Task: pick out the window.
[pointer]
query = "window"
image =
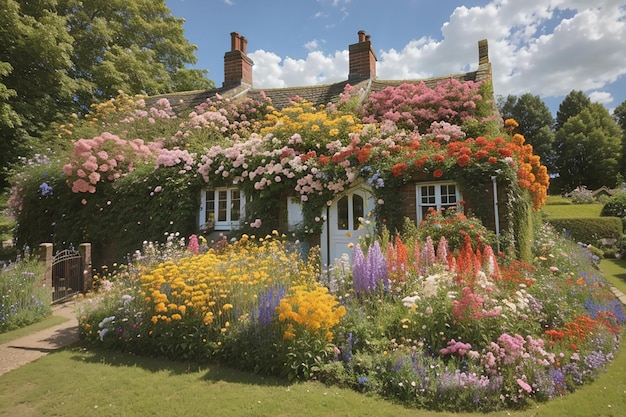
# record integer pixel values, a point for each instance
(344, 220)
(436, 196)
(221, 209)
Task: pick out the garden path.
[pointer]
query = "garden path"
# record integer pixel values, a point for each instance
(24, 350)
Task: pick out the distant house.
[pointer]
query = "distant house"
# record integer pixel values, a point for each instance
(223, 209)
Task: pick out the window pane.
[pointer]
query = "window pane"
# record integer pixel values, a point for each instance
(235, 205)
(428, 196)
(357, 211)
(448, 195)
(210, 206)
(222, 205)
(342, 213)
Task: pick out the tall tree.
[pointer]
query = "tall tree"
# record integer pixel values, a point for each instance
(571, 105)
(35, 87)
(60, 56)
(588, 150)
(136, 46)
(620, 117)
(535, 123)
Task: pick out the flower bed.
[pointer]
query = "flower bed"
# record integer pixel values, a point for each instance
(411, 320)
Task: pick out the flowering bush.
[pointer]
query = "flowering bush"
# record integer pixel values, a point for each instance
(460, 331)
(23, 300)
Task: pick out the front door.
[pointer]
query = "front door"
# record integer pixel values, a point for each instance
(346, 222)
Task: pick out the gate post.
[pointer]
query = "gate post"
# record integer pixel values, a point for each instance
(85, 254)
(46, 256)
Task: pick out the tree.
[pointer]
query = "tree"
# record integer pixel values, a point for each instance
(588, 150)
(620, 117)
(535, 123)
(34, 83)
(571, 105)
(136, 46)
(57, 57)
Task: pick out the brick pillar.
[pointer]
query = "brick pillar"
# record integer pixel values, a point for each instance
(46, 256)
(85, 255)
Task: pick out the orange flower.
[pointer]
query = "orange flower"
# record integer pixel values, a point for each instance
(438, 173)
(398, 169)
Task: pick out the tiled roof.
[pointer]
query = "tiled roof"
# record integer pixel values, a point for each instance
(316, 94)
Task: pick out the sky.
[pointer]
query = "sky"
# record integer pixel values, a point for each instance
(543, 47)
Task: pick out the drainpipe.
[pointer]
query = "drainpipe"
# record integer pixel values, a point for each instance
(495, 210)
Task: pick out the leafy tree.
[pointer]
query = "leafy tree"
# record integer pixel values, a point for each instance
(571, 105)
(588, 150)
(620, 116)
(60, 56)
(535, 123)
(34, 83)
(135, 46)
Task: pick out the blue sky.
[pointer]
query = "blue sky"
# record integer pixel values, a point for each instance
(543, 47)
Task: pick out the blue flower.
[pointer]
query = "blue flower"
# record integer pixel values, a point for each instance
(45, 189)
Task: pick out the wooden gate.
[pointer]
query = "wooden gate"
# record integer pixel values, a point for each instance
(67, 275)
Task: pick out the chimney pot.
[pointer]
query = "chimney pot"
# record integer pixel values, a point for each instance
(361, 36)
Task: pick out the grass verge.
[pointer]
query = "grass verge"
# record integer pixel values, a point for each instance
(33, 328)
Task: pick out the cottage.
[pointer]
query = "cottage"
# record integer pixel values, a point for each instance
(223, 209)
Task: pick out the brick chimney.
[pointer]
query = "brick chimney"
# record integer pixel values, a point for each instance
(237, 65)
(483, 52)
(362, 58)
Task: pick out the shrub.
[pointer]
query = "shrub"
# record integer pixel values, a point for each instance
(615, 207)
(588, 230)
(463, 331)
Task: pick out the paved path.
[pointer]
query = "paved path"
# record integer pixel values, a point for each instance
(18, 352)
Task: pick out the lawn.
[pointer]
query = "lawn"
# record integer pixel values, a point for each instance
(82, 382)
(571, 211)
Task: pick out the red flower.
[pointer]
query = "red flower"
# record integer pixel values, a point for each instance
(438, 173)
(439, 158)
(463, 161)
(399, 169)
(324, 159)
(493, 160)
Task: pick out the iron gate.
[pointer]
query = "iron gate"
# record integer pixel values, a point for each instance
(67, 275)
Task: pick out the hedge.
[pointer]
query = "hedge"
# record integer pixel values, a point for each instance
(588, 230)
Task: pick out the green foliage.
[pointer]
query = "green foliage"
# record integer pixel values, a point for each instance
(588, 230)
(575, 102)
(66, 55)
(535, 122)
(616, 206)
(23, 300)
(588, 149)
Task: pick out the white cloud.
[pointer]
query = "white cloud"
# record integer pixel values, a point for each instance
(546, 48)
(603, 97)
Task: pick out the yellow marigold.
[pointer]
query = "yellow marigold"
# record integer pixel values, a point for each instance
(208, 318)
(176, 316)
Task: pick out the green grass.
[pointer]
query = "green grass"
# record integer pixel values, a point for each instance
(571, 211)
(615, 271)
(33, 328)
(82, 382)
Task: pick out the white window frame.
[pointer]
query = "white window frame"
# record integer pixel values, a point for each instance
(226, 223)
(437, 199)
(295, 216)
